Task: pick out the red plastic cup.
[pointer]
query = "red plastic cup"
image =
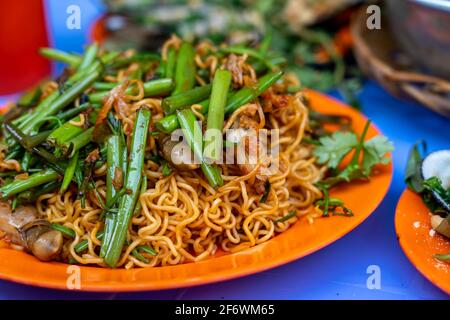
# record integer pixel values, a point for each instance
(22, 33)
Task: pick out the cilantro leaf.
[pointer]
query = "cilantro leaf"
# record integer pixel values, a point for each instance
(334, 148)
(375, 151)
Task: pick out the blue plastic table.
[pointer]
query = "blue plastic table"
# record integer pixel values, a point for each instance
(335, 272)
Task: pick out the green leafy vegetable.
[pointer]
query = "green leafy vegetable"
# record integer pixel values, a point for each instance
(267, 186)
(425, 188)
(64, 230)
(290, 215)
(375, 151)
(334, 206)
(434, 184)
(333, 149)
(413, 177)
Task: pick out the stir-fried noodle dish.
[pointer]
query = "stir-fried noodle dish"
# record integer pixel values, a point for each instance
(136, 159)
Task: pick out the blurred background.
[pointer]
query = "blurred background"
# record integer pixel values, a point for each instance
(397, 75)
(329, 44)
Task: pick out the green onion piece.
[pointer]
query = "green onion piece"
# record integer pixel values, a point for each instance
(193, 135)
(267, 187)
(29, 97)
(104, 86)
(108, 57)
(44, 104)
(250, 52)
(114, 163)
(72, 112)
(158, 87)
(132, 184)
(326, 202)
(30, 196)
(77, 142)
(147, 249)
(89, 56)
(64, 230)
(185, 69)
(216, 113)
(59, 102)
(53, 54)
(25, 163)
(443, 257)
(168, 124)
(83, 245)
(135, 253)
(170, 63)
(270, 63)
(138, 207)
(332, 202)
(33, 180)
(81, 74)
(110, 205)
(137, 57)
(38, 138)
(68, 131)
(143, 248)
(186, 98)
(245, 95)
(265, 43)
(69, 173)
(290, 215)
(166, 170)
(248, 94)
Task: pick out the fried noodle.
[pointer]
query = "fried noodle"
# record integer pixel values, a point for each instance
(182, 217)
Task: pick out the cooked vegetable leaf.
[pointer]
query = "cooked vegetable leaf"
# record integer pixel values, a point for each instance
(427, 189)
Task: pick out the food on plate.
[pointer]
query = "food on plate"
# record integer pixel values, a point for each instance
(429, 176)
(144, 159)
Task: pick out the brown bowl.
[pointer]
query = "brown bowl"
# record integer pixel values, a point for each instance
(381, 57)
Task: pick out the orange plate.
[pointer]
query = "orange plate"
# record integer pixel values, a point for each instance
(300, 240)
(412, 222)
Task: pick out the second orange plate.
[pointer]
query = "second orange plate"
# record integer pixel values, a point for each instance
(300, 240)
(412, 223)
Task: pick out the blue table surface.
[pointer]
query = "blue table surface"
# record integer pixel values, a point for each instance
(338, 271)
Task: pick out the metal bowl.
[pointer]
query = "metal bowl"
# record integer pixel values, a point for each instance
(422, 29)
